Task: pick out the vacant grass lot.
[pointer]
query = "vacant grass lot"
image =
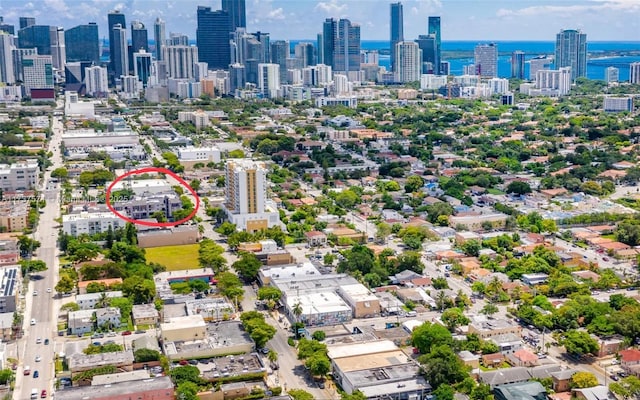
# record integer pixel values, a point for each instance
(175, 257)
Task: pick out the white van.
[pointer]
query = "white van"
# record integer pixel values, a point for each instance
(412, 314)
(34, 394)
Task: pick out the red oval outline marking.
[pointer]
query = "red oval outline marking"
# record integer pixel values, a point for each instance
(149, 223)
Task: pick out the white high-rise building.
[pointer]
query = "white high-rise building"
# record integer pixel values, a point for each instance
(269, 79)
(611, 75)
(432, 81)
(555, 82)
(246, 201)
(6, 59)
(341, 85)
(200, 71)
(537, 64)
(37, 72)
(130, 86)
(180, 61)
(317, 75)
(498, 85)
(408, 60)
(97, 81)
(486, 60)
(618, 104)
(634, 73)
(58, 48)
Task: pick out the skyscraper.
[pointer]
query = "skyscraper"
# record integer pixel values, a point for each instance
(486, 60)
(408, 62)
(96, 81)
(397, 30)
(329, 28)
(571, 51)
(305, 53)
(246, 201)
(634, 73)
(428, 47)
(178, 39)
(142, 66)
(114, 18)
(6, 58)
(119, 57)
(38, 36)
(212, 37)
(180, 60)
(83, 43)
(26, 21)
(139, 37)
(346, 53)
(279, 55)
(237, 13)
(517, 64)
(320, 49)
(58, 48)
(538, 63)
(269, 80)
(434, 29)
(159, 36)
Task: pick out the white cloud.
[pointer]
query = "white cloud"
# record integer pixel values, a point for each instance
(566, 10)
(332, 7)
(278, 13)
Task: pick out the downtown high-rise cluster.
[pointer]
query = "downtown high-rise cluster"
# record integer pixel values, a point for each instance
(228, 59)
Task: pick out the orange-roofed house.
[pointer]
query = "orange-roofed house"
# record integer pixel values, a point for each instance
(523, 358)
(629, 358)
(82, 286)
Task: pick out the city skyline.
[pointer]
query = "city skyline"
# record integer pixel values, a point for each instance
(606, 20)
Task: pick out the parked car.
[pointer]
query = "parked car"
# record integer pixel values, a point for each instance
(126, 333)
(36, 374)
(46, 341)
(38, 340)
(183, 362)
(43, 395)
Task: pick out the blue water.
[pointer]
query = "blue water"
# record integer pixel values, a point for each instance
(595, 67)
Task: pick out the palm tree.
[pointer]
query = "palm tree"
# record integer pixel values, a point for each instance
(297, 311)
(103, 301)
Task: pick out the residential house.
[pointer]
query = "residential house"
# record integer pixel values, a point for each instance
(629, 358)
(562, 380)
(486, 328)
(492, 360)
(523, 358)
(521, 391)
(508, 343)
(316, 238)
(469, 359)
(504, 376)
(594, 393)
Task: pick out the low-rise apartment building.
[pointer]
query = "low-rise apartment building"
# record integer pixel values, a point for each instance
(14, 216)
(90, 223)
(19, 176)
(89, 301)
(9, 283)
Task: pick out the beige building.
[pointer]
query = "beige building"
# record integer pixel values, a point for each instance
(493, 327)
(184, 329)
(475, 222)
(363, 303)
(14, 216)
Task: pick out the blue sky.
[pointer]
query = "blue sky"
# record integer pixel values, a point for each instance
(602, 20)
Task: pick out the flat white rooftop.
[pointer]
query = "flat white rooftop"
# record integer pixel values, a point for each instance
(358, 349)
(319, 303)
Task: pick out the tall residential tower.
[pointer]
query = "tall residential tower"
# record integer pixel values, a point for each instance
(397, 30)
(571, 51)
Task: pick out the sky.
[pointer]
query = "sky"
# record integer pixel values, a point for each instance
(481, 20)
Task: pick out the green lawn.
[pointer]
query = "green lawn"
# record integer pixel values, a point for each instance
(494, 191)
(175, 257)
